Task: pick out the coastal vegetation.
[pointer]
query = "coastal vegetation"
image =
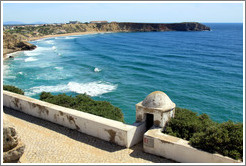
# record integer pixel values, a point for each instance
(13, 89)
(225, 138)
(84, 103)
(51, 29)
(80, 102)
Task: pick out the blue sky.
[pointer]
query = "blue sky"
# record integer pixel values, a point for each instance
(137, 12)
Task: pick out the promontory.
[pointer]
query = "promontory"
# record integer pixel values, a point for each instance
(15, 37)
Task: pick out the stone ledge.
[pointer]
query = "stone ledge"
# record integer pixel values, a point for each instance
(99, 127)
(177, 149)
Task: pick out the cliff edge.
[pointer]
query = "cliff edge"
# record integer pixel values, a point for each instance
(156, 27)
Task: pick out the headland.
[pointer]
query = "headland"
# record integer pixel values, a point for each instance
(15, 37)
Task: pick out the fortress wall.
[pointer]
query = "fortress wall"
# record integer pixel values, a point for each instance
(106, 129)
(170, 147)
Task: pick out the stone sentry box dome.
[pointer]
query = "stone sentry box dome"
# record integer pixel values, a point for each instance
(158, 105)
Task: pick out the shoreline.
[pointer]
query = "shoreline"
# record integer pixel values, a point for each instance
(113, 27)
(59, 35)
(6, 56)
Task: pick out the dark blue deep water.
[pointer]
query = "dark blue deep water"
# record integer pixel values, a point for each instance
(200, 71)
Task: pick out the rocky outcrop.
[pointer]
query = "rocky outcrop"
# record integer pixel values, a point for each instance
(188, 26)
(23, 45)
(15, 42)
(13, 148)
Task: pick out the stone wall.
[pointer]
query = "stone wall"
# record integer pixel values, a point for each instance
(170, 147)
(106, 129)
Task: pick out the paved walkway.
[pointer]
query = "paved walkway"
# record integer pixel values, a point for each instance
(47, 142)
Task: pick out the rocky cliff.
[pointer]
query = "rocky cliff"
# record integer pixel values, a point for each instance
(134, 27)
(13, 40)
(148, 27)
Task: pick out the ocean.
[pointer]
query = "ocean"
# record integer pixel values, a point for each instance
(200, 71)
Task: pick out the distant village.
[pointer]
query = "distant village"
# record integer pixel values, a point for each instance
(13, 26)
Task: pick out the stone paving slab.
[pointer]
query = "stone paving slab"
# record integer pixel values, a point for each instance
(47, 142)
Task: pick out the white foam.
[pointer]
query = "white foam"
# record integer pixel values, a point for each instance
(58, 68)
(91, 88)
(30, 59)
(9, 77)
(6, 70)
(18, 59)
(5, 67)
(54, 47)
(40, 40)
(50, 42)
(97, 70)
(21, 73)
(40, 49)
(37, 51)
(66, 37)
(70, 37)
(31, 53)
(14, 53)
(39, 89)
(104, 32)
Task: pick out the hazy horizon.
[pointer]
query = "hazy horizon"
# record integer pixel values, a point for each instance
(123, 12)
(40, 22)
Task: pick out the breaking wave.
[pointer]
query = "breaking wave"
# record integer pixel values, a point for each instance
(31, 53)
(50, 42)
(70, 37)
(92, 88)
(58, 68)
(30, 59)
(97, 70)
(37, 51)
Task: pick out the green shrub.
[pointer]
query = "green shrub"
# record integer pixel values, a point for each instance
(13, 89)
(225, 138)
(203, 133)
(186, 123)
(84, 103)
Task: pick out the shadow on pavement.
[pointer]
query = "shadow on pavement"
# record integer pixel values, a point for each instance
(81, 137)
(139, 153)
(74, 134)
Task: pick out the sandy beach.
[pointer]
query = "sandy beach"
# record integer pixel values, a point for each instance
(7, 53)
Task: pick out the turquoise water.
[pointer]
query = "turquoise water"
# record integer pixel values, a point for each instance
(200, 71)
